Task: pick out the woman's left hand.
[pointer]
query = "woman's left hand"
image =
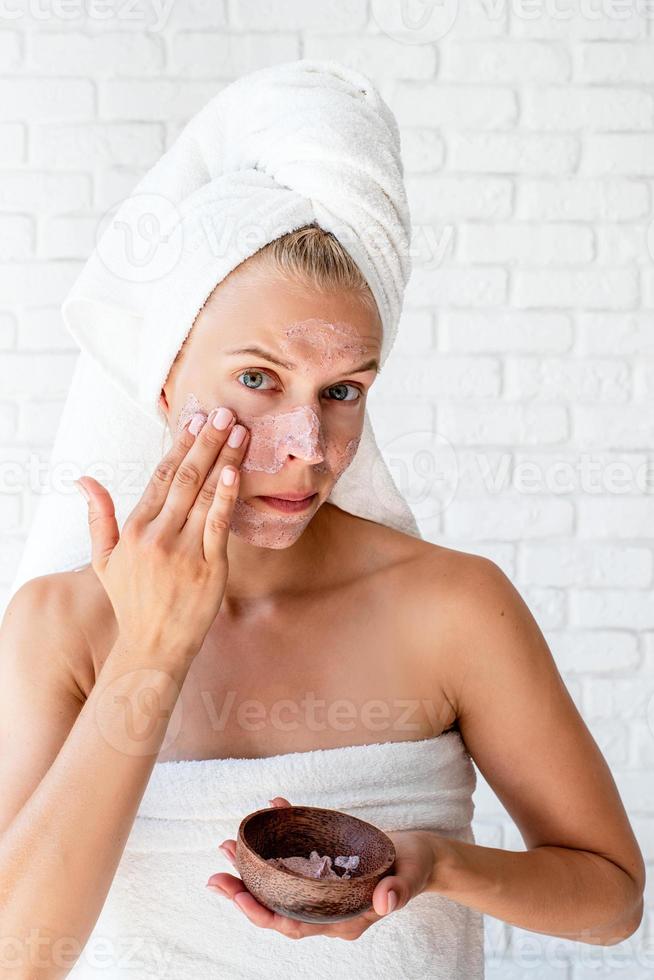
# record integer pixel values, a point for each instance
(414, 866)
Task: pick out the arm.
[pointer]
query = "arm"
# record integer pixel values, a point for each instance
(583, 875)
(72, 773)
(76, 769)
(76, 772)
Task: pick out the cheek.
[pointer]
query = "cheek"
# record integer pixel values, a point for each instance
(339, 453)
(341, 435)
(190, 406)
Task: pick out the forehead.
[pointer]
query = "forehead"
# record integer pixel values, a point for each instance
(260, 306)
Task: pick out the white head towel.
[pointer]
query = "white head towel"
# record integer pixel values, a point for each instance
(297, 143)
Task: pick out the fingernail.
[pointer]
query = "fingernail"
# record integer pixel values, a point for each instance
(236, 436)
(196, 423)
(392, 902)
(222, 418)
(82, 489)
(218, 890)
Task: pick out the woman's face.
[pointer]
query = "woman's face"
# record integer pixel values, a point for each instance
(300, 389)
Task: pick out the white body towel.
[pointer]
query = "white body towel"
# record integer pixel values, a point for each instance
(160, 921)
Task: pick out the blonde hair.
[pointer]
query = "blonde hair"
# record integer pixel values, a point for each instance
(313, 256)
(316, 256)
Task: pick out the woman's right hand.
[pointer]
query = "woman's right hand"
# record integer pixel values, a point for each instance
(165, 575)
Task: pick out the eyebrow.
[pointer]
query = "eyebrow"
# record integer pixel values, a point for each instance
(372, 364)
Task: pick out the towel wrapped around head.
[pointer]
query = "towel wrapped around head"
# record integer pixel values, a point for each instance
(299, 143)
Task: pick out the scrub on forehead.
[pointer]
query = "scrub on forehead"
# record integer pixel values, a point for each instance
(275, 436)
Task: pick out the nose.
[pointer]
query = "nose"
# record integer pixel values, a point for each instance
(299, 434)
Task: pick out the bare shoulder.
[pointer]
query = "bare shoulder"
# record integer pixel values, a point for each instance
(446, 599)
(480, 617)
(444, 594)
(382, 545)
(431, 572)
(417, 570)
(489, 619)
(72, 610)
(434, 591)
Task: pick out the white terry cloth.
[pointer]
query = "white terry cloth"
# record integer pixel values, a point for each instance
(296, 143)
(160, 921)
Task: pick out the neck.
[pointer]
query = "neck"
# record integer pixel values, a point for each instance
(261, 575)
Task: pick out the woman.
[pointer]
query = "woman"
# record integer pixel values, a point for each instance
(388, 617)
(116, 678)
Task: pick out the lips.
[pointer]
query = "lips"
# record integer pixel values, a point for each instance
(286, 506)
(302, 495)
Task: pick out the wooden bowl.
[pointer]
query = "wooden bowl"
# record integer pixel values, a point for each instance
(297, 830)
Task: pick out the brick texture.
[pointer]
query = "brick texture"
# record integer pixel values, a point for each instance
(527, 340)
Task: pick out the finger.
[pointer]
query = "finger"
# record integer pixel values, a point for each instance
(157, 487)
(230, 456)
(390, 894)
(103, 526)
(265, 918)
(396, 889)
(260, 915)
(233, 886)
(229, 883)
(219, 516)
(192, 472)
(257, 913)
(385, 900)
(228, 848)
(412, 857)
(279, 801)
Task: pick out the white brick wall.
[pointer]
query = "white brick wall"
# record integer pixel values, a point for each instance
(527, 341)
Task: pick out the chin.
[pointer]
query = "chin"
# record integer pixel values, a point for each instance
(271, 543)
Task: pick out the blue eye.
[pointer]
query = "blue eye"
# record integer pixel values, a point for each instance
(343, 387)
(253, 374)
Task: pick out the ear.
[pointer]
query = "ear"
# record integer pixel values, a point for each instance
(163, 401)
